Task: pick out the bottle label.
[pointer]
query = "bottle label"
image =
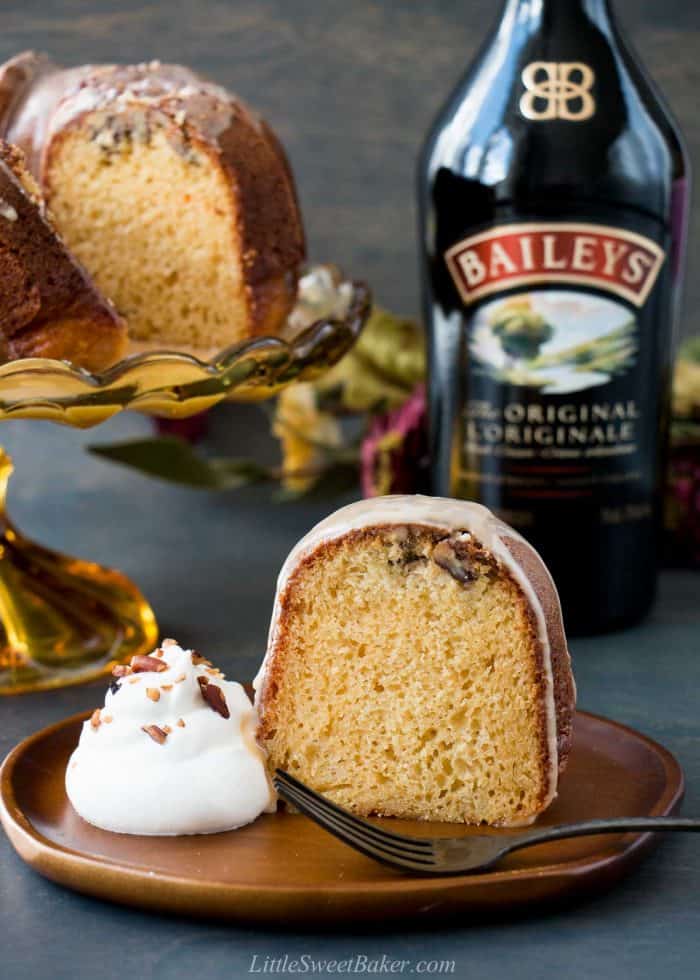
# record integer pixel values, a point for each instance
(612, 259)
(557, 369)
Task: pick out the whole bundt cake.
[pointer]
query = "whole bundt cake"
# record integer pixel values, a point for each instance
(176, 197)
(48, 304)
(417, 665)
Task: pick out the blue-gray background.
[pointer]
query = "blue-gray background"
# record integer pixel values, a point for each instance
(351, 86)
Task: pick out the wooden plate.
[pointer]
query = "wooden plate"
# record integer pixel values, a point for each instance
(284, 869)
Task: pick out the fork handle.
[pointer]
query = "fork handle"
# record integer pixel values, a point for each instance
(614, 825)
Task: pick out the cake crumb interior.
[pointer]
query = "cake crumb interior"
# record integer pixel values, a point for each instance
(403, 691)
(155, 228)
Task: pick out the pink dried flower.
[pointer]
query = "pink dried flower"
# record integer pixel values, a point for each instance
(683, 504)
(191, 429)
(395, 450)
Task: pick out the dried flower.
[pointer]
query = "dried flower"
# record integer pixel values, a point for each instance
(394, 452)
(304, 432)
(381, 370)
(682, 516)
(191, 429)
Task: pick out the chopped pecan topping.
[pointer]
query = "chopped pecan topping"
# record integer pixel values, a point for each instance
(446, 556)
(158, 735)
(134, 680)
(166, 687)
(180, 679)
(120, 670)
(180, 723)
(214, 697)
(153, 693)
(140, 664)
(197, 659)
(167, 729)
(106, 719)
(95, 718)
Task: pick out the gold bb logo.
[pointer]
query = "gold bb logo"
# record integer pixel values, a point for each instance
(557, 90)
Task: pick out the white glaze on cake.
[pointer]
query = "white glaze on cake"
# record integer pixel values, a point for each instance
(451, 516)
(206, 775)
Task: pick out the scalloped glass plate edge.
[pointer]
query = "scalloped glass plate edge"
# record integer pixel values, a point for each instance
(326, 321)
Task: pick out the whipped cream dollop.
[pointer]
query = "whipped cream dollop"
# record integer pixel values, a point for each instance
(173, 751)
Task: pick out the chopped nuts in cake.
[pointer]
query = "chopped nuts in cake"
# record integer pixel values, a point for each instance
(153, 693)
(157, 734)
(105, 139)
(7, 211)
(95, 718)
(141, 664)
(447, 557)
(180, 723)
(197, 659)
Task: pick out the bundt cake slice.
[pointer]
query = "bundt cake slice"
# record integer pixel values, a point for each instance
(48, 305)
(177, 198)
(417, 665)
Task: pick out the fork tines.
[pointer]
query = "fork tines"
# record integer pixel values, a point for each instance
(413, 853)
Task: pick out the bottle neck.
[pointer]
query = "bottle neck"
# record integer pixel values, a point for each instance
(534, 14)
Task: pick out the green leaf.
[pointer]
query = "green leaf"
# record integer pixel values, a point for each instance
(690, 349)
(174, 460)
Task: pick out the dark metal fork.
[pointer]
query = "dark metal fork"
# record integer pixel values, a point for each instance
(448, 855)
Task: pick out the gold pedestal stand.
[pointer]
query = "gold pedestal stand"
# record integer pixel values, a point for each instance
(63, 620)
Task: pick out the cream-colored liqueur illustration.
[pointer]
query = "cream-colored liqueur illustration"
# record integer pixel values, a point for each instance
(558, 341)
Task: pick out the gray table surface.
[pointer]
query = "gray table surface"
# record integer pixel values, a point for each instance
(208, 564)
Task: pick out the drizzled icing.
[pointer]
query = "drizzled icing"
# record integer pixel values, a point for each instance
(451, 516)
(39, 99)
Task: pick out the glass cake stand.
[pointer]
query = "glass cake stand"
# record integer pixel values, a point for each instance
(63, 620)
